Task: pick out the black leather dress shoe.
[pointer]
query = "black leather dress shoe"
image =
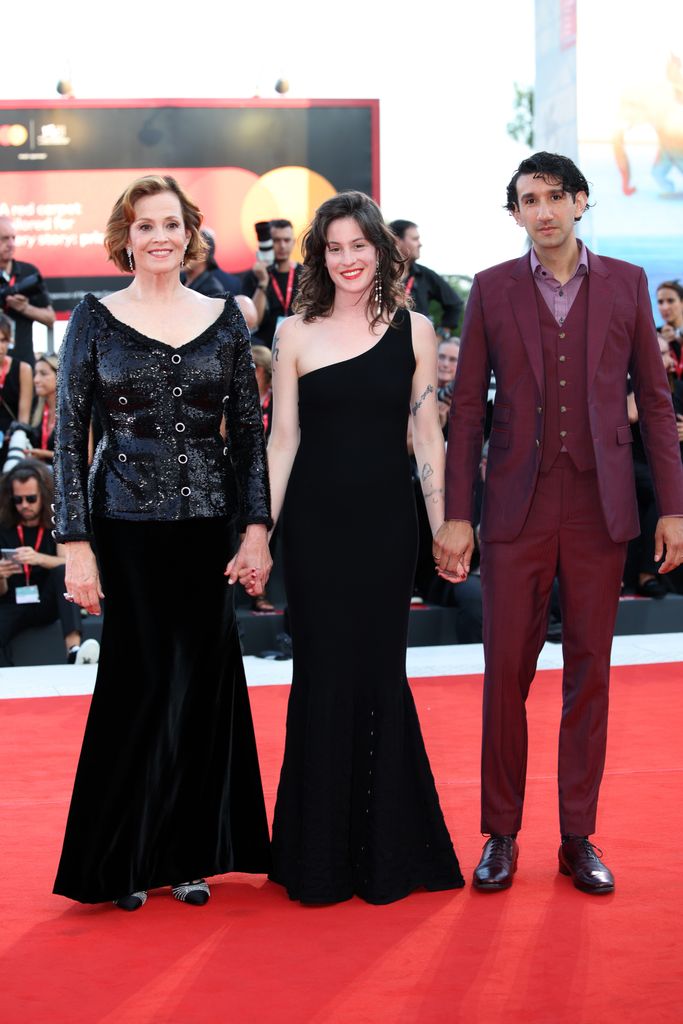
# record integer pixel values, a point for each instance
(497, 865)
(578, 859)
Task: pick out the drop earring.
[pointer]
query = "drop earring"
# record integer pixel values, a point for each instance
(378, 289)
(129, 253)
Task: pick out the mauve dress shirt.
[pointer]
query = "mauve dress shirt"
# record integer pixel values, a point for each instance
(559, 297)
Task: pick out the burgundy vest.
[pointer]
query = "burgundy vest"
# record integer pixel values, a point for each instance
(566, 423)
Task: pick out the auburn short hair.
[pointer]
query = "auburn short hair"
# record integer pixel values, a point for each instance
(123, 215)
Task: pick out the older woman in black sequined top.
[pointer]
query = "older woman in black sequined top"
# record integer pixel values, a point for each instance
(168, 787)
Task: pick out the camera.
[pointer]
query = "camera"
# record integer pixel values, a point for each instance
(265, 252)
(445, 393)
(27, 285)
(19, 442)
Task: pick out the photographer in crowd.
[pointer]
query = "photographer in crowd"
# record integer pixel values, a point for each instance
(272, 285)
(424, 285)
(23, 295)
(32, 565)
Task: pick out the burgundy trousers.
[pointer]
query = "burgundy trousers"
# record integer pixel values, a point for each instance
(564, 536)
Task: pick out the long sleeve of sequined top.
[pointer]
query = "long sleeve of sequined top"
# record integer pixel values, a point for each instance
(161, 456)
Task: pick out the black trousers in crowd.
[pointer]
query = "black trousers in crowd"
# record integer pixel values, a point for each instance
(14, 618)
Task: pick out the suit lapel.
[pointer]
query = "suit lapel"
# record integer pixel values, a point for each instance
(522, 294)
(600, 304)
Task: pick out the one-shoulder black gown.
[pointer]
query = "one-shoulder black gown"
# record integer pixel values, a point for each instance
(357, 810)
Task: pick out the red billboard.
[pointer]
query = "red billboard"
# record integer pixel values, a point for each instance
(62, 165)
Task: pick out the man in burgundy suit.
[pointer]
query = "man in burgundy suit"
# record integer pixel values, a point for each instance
(561, 329)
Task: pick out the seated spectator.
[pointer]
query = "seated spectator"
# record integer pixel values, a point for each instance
(43, 419)
(449, 350)
(32, 565)
(16, 387)
(670, 302)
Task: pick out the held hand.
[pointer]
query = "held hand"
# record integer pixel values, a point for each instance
(8, 567)
(252, 563)
(27, 556)
(82, 577)
(669, 540)
(452, 550)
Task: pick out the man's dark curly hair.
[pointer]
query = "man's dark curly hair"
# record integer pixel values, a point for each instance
(552, 168)
(27, 469)
(316, 291)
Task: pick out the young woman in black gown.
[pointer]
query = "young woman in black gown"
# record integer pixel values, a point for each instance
(357, 810)
(168, 786)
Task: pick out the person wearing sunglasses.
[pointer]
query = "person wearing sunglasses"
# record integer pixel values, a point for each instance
(32, 565)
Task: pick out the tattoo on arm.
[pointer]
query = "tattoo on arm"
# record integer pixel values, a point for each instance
(433, 494)
(416, 405)
(276, 350)
(427, 471)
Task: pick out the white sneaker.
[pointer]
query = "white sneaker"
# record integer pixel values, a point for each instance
(88, 653)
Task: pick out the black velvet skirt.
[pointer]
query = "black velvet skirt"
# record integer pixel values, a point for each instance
(168, 787)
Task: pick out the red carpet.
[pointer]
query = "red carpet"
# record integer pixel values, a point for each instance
(541, 953)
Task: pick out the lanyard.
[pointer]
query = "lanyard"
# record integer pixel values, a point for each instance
(39, 541)
(409, 284)
(265, 409)
(4, 372)
(285, 303)
(44, 432)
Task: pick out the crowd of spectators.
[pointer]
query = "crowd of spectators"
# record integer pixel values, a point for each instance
(32, 566)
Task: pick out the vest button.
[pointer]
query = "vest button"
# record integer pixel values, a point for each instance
(563, 433)
(563, 334)
(563, 359)
(563, 383)
(563, 408)
(539, 408)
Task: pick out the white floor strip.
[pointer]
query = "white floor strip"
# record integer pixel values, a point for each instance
(451, 660)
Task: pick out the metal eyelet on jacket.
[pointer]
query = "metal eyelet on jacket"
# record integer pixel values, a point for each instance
(182, 459)
(123, 458)
(176, 358)
(177, 392)
(180, 427)
(123, 400)
(185, 491)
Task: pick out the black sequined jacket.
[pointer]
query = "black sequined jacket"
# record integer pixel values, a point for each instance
(161, 456)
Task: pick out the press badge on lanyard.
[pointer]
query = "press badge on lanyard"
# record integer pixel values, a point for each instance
(28, 594)
(285, 300)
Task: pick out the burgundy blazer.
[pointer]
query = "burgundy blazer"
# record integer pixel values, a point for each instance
(501, 333)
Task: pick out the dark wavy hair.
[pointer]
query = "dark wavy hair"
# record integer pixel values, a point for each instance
(27, 469)
(316, 291)
(675, 286)
(551, 167)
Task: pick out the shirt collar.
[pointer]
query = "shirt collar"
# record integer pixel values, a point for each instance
(581, 267)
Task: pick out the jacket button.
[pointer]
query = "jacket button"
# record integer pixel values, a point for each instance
(226, 398)
(563, 408)
(176, 358)
(225, 450)
(182, 459)
(539, 408)
(563, 433)
(180, 427)
(185, 491)
(177, 392)
(538, 443)
(563, 359)
(123, 458)
(123, 400)
(563, 383)
(563, 334)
